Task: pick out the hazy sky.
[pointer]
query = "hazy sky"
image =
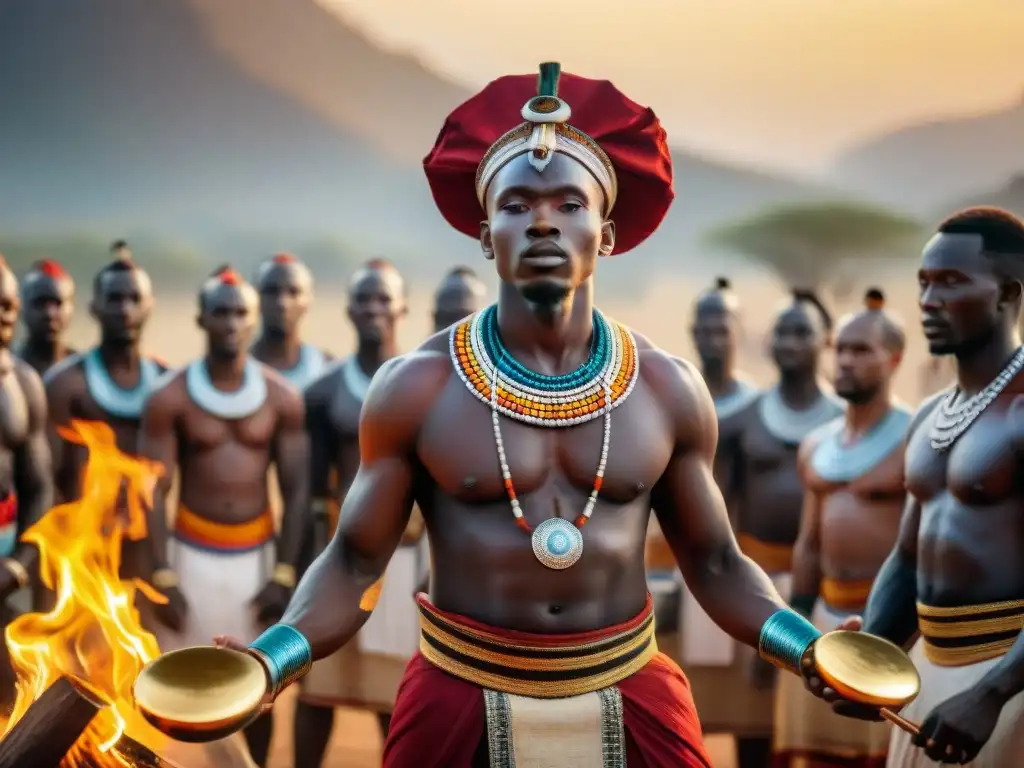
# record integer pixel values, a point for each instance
(781, 82)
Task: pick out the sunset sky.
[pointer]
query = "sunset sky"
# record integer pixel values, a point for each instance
(784, 83)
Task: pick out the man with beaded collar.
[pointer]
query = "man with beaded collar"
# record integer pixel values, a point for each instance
(47, 303)
(768, 496)
(221, 421)
(852, 472)
(706, 652)
(108, 383)
(955, 574)
(530, 645)
(26, 477)
(365, 673)
(285, 286)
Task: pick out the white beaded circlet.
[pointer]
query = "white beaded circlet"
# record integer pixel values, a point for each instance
(557, 543)
(951, 421)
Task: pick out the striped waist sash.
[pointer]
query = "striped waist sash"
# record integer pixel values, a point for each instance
(962, 635)
(199, 532)
(533, 665)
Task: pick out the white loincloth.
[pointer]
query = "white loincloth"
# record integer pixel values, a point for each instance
(219, 588)
(577, 732)
(703, 643)
(1006, 747)
(806, 727)
(393, 628)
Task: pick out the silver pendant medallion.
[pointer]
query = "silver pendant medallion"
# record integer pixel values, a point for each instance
(557, 543)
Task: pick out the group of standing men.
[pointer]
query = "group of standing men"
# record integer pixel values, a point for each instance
(858, 507)
(218, 425)
(537, 428)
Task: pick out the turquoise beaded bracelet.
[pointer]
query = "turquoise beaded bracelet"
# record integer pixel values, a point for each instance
(785, 638)
(285, 653)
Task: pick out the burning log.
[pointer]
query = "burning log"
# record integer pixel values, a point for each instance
(140, 756)
(50, 726)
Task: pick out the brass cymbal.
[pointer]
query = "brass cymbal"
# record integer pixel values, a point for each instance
(201, 694)
(866, 669)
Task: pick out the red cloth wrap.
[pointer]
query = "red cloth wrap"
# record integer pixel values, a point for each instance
(629, 134)
(439, 720)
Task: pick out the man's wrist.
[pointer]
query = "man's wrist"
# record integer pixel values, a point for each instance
(285, 575)
(17, 570)
(785, 638)
(285, 654)
(164, 578)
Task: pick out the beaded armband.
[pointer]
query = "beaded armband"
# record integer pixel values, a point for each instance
(286, 655)
(785, 638)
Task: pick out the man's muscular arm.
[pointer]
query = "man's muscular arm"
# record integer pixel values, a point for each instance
(33, 468)
(158, 441)
(807, 552)
(891, 611)
(291, 456)
(67, 457)
(328, 606)
(737, 595)
(322, 447)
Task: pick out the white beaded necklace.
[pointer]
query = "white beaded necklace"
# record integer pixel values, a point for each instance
(557, 543)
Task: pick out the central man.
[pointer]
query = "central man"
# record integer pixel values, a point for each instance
(536, 436)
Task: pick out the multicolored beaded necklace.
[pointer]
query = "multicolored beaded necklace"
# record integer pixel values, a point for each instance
(594, 389)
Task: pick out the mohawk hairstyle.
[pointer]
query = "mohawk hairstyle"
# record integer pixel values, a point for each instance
(893, 336)
(111, 267)
(808, 296)
(117, 245)
(718, 298)
(284, 258)
(50, 268)
(227, 274)
(464, 272)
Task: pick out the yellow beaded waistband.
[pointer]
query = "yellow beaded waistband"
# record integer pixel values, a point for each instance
(773, 558)
(538, 666)
(846, 595)
(962, 635)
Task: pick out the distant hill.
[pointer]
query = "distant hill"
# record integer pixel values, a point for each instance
(925, 165)
(235, 125)
(1010, 196)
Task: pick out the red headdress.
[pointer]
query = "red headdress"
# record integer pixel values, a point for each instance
(229, 276)
(617, 140)
(284, 258)
(50, 268)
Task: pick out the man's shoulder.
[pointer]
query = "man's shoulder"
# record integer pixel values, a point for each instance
(61, 374)
(168, 391)
(323, 388)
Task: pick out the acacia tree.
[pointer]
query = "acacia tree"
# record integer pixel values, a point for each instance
(819, 245)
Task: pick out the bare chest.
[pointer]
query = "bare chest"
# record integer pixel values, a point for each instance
(202, 431)
(458, 448)
(13, 412)
(762, 451)
(978, 470)
(882, 483)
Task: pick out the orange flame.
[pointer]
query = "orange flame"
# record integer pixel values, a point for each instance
(93, 632)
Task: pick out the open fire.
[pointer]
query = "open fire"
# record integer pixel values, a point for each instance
(93, 633)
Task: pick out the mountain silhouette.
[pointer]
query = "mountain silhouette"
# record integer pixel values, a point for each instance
(210, 118)
(1010, 197)
(923, 166)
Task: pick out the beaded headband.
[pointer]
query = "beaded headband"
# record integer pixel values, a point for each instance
(545, 132)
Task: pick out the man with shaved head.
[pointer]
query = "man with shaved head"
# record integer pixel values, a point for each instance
(285, 286)
(108, 383)
(363, 673)
(47, 303)
(852, 473)
(221, 421)
(460, 294)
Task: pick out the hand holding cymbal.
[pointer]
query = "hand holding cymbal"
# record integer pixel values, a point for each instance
(867, 671)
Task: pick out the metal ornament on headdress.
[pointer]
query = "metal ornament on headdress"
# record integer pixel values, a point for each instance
(545, 132)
